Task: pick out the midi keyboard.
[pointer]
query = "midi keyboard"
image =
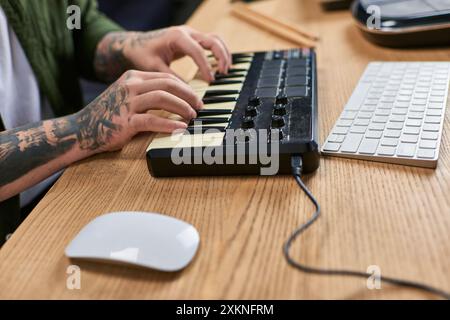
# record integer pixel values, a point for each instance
(254, 119)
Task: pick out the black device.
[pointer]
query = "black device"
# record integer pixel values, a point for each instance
(278, 96)
(404, 23)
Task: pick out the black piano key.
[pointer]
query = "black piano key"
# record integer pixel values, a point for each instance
(216, 93)
(213, 112)
(219, 76)
(198, 129)
(210, 100)
(236, 55)
(206, 120)
(241, 54)
(221, 82)
(235, 70)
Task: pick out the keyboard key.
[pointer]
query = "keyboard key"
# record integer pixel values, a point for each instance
(431, 127)
(392, 133)
(434, 112)
(348, 115)
(374, 134)
(351, 142)
(340, 130)
(426, 153)
(368, 146)
(413, 123)
(395, 125)
(358, 95)
(411, 130)
(368, 108)
(415, 115)
(386, 151)
(344, 123)
(378, 119)
(428, 135)
(419, 102)
(406, 150)
(365, 115)
(440, 93)
(409, 138)
(417, 108)
(377, 126)
(358, 129)
(385, 105)
(428, 144)
(401, 104)
(397, 118)
(399, 111)
(382, 112)
(434, 105)
(432, 119)
(389, 142)
(437, 99)
(329, 146)
(336, 138)
(361, 122)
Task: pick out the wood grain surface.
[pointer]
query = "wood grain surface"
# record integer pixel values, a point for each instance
(393, 216)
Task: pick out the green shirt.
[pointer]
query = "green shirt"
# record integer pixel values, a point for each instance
(58, 56)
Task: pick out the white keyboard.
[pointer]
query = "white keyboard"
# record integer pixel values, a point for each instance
(395, 114)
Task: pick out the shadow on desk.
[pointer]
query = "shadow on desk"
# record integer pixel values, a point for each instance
(125, 271)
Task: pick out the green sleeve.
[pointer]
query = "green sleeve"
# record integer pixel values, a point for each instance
(94, 26)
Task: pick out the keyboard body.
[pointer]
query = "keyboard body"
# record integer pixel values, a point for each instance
(267, 104)
(395, 114)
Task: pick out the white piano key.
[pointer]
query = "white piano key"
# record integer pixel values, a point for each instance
(198, 124)
(221, 105)
(182, 140)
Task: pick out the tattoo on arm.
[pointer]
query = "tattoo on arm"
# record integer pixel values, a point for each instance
(28, 147)
(31, 146)
(110, 60)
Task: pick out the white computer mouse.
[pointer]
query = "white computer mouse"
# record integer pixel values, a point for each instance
(140, 238)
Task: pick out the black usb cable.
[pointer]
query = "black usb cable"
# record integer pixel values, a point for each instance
(297, 166)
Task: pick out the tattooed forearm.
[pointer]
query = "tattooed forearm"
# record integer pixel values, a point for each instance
(31, 146)
(110, 59)
(90, 130)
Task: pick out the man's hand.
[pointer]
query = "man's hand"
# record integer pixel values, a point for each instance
(121, 112)
(155, 50)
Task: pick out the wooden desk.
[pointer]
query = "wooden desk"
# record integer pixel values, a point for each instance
(373, 214)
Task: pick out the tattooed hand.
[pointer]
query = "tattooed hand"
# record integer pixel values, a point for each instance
(111, 120)
(31, 153)
(155, 50)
